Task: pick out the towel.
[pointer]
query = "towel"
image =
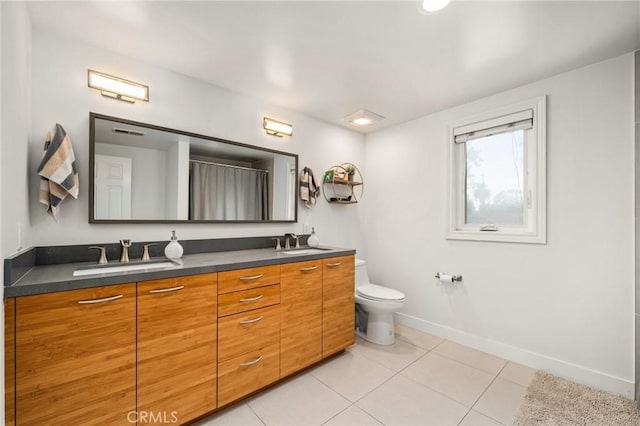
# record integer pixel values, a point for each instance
(58, 172)
(309, 188)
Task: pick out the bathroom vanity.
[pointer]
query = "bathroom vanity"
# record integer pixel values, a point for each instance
(171, 345)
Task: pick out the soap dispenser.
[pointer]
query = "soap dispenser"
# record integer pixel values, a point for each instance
(173, 250)
(312, 241)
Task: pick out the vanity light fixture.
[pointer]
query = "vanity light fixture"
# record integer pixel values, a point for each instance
(363, 118)
(432, 6)
(118, 88)
(276, 128)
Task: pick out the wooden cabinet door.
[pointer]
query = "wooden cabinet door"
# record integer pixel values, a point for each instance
(9, 362)
(338, 304)
(177, 348)
(300, 315)
(75, 357)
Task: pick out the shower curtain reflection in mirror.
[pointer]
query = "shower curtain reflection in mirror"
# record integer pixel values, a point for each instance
(222, 192)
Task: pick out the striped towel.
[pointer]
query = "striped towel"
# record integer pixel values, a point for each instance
(58, 172)
(309, 188)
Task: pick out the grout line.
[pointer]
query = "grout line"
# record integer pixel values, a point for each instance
(506, 361)
(337, 414)
(254, 413)
(485, 391)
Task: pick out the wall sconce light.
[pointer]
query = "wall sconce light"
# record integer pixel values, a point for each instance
(363, 118)
(276, 128)
(118, 88)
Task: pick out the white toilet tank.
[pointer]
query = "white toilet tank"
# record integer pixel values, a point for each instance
(362, 277)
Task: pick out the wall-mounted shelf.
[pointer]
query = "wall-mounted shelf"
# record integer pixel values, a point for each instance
(342, 187)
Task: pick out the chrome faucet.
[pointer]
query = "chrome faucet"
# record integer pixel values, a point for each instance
(103, 255)
(124, 257)
(278, 246)
(294, 236)
(145, 251)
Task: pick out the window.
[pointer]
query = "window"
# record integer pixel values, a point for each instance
(497, 188)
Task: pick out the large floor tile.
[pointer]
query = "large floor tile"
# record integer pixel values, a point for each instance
(459, 381)
(517, 373)
(476, 419)
(353, 416)
(474, 358)
(303, 400)
(352, 375)
(417, 338)
(396, 356)
(237, 415)
(401, 401)
(501, 400)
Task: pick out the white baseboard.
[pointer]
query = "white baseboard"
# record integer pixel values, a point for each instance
(557, 367)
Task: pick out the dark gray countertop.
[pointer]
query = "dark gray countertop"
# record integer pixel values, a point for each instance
(52, 278)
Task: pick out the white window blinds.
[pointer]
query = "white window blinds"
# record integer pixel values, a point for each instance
(522, 120)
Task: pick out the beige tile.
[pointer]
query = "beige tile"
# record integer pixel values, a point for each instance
(352, 375)
(417, 338)
(474, 358)
(353, 416)
(304, 400)
(476, 419)
(401, 401)
(501, 401)
(396, 356)
(237, 415)
(517, 373)
(458, 381)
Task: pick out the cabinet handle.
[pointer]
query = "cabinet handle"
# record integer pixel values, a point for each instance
(250, 363)
(310, 268)
(165, 290)
(106, 299)
(333, 265)
(251, 321)
(251, 278)
(252, 299)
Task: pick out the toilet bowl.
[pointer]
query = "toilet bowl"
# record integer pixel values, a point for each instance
(375, 305)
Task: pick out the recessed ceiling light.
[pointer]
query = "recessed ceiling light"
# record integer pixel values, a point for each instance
(363, 118)
(431, 6)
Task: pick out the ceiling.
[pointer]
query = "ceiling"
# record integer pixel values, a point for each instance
(328, 59)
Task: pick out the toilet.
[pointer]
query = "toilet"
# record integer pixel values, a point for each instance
(375, 306)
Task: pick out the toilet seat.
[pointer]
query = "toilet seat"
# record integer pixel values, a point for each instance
(379, 293)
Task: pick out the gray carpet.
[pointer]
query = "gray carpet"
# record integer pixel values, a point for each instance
(552, 401)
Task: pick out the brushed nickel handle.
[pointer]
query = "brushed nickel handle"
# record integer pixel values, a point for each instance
(106, 299)
(333, 265)
(166, 290)
(251, 321)
(310, 268)
(251, 278)
(250, 363)
(252, 299)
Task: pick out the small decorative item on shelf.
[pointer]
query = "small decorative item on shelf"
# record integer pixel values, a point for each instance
(351, 170)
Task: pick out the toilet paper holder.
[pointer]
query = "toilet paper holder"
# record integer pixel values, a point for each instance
(453, 277)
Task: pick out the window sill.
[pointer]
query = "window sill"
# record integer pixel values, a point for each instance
(497, 236)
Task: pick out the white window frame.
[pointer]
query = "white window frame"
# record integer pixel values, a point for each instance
(535, 158)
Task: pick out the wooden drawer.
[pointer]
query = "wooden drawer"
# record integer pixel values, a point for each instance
(247, 373)
(241, 279)
(338, 268)
(246, 300)
(248, 331)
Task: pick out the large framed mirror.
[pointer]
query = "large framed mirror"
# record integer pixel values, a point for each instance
(143, 173)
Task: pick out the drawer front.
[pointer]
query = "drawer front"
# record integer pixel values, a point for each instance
(242, 279)
(339, 268)
(246, 300)
(248, 331)
(247, 373)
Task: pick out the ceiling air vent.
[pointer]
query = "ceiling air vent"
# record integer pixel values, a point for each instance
(128, 132)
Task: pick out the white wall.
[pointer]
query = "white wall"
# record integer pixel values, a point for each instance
(566, 306)
(16, 87)
(60, 94)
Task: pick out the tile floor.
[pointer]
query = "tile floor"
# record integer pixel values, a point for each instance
(420, 380)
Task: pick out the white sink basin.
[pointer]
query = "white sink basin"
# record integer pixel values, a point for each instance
(107, 269)
(303, 251)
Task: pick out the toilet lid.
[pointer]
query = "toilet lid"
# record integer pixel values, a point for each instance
(379, 293)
